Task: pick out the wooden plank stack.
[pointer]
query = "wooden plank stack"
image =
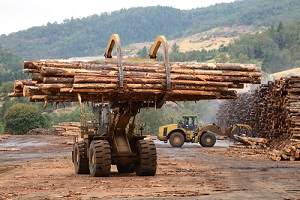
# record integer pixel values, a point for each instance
(143, 81)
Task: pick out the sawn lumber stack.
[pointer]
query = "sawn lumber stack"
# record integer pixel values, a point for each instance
(56, 81)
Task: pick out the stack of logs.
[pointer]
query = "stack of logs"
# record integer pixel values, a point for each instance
(290, 151)
(274, 113)
(55, 81)
(236, 111)
(68, 128)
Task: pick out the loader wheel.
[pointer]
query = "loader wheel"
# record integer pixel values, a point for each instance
(100, 158)
(207, 139)
(176, 139)
(146, 158)
(80, 159)
(126, 169)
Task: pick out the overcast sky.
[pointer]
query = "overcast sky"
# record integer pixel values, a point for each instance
(16, 15)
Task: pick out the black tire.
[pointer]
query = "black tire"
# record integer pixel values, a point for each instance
(176, 139)
(100, 158)
(80, 159)
(126, 169)
(207, 139)
(146, 159)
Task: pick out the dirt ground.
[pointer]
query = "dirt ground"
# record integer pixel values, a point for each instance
(42, 169)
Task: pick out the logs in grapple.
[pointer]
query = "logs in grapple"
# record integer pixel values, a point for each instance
(142, 81)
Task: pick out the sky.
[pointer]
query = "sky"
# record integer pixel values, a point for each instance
(16, 15)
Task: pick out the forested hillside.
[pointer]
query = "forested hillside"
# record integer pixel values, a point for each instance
(88, 36)
(276, 49)
(10, 66)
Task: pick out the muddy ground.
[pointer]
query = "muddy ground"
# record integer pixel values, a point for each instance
(42, 169)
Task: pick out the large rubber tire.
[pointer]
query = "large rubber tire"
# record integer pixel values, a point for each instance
(126, 169)
(207, 139)
(146, 160)
(100, 158)
(176, 139)
(81, 162)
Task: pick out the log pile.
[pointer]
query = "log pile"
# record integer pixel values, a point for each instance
(68, 128)
(140, 81)
(290, 151)
(251, 142)
(236, 111)
(274, 115)
(272, 110)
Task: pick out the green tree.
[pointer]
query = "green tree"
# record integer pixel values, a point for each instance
(175, 48)
(143, 53)
(243, 58)
(222, 57)
(20, 118)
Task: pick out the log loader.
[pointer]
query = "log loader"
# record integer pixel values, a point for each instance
(109, 139)
(189, 131)
(121, 87)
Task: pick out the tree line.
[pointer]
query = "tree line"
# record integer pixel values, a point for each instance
(276, 49)
(89, 35)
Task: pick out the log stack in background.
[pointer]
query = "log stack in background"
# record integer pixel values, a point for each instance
(274, 113)
(236, 111)
(55, 81)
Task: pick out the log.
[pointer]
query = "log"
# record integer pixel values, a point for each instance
(58, 80)
(148, 80)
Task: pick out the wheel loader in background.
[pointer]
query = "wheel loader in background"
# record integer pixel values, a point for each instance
(189, 131)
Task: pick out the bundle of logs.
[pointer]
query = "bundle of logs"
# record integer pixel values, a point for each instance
(272, 110)
(147, 81)
(68, 128)
(290, 151)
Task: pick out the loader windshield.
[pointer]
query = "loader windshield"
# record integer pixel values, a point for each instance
(190, 122)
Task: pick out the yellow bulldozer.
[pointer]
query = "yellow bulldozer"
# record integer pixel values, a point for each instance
(188, 130)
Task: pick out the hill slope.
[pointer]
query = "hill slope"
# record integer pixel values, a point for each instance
(89, 36)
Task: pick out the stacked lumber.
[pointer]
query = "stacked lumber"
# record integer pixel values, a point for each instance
(140, 81)
(68, 128)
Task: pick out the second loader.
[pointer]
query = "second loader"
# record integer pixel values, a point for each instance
(189, 131)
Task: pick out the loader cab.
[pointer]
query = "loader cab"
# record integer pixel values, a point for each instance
(190, 122)
(102, 112)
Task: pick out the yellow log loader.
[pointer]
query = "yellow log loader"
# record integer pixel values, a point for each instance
(122, 87)
(189, 131)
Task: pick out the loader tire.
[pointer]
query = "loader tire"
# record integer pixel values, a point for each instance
(80, 159)
(176, 139)
(100, 158)
(146, 159)
(207, 139)
(126, 169)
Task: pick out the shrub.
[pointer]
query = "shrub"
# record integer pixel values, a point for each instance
(20, 118)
